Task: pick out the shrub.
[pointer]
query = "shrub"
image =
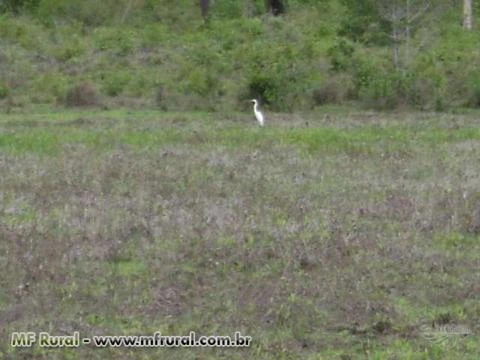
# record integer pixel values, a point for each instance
(263, 87)
(81, 95)
(364, 23)
(115, 82)
(16, 6)
(227, 9)
(69, 42)
(474, 93)
(23, 32)
(153, 35)
(48, 87)
(421, 92)
(115, 39)
(387, 91)
(4, 91)
(88, 12)
(160, 96)
(280, 86)
(340, 55)
(201, 82)
(139, 84)
(326, 94)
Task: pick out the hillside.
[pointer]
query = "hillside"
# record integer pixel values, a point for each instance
(156, 53)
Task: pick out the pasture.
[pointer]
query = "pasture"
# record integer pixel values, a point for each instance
(334, 234)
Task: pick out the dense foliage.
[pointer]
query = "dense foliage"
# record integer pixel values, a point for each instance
(155, 52)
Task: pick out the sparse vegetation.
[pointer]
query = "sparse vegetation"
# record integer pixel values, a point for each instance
(343, 239)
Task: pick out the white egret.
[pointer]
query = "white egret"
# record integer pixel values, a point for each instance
(258, 113)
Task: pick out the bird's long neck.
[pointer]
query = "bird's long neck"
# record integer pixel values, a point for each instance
(255, 107)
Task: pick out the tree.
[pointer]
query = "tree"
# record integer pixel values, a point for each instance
(404, 17)
(363, 23)
(467, 14)
(16, 6)
(276, 7)
(204, 7)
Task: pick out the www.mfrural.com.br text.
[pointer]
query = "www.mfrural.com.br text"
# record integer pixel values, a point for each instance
(47, 340)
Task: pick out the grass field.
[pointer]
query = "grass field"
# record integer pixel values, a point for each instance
(337, 234)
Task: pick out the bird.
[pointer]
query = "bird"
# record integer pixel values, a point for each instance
(258, 113)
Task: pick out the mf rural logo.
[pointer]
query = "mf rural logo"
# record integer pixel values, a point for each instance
(449, 334)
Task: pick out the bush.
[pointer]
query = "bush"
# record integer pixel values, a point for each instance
(227, 9)
(160, 97)
(153, 35)
(379, 85)
(82, 95)
(23, 32)
(473, 92)
(4, 91)
(387, 90)
(15, 6)
(290, 62)
(88, 12)
(421, 92)
(364, 23)
(263, 87)
(48, 87)
(115, 39)
(201, 82)
(115, 82)
(326, 94)
(474, 98)
(340, 55)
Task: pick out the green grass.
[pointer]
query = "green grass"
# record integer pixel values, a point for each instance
(338, 234)
(52, 134)
(165, 55)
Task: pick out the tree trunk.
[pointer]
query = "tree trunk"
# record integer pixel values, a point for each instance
(394, 20)
(276, 7)
(126, 12)
(407, 34)
(248, 8)
(467, 14)
(396, 45)
(204, 5)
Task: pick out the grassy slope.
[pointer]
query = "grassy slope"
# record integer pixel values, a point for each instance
(319, 235)
(191, 65)
(166, 56)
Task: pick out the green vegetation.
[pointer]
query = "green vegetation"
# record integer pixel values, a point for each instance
(343, 235)
(334, 232)
(163, 53)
